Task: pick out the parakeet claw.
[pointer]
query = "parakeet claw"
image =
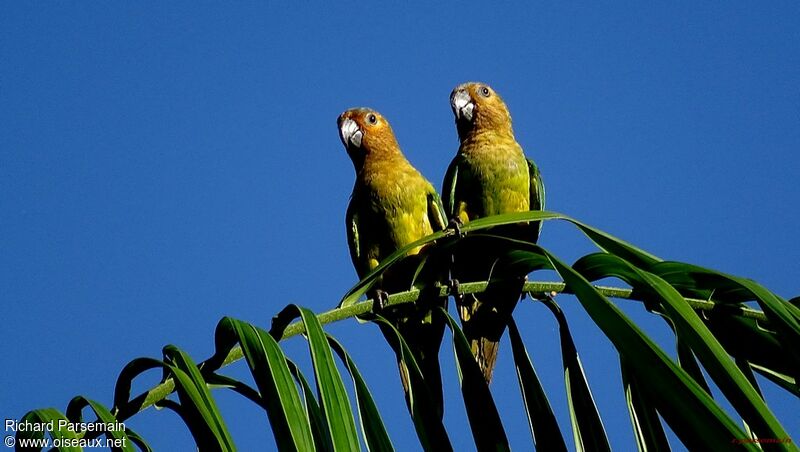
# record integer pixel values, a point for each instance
(455, 224)
(380, 298)
(454, 286)
(455, 289)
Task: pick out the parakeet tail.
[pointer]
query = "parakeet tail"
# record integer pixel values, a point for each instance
(424, 338)
(423, 332)
(484, 317)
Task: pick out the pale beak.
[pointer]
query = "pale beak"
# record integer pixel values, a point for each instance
(350, 133)
(462, 105)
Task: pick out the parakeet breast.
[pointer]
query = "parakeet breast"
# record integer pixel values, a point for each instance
(392, 207)
(498, 176)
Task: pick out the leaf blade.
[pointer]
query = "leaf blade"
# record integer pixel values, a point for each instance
(544, 428)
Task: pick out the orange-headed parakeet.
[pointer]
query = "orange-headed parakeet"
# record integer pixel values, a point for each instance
(490, 175)
(392, 205)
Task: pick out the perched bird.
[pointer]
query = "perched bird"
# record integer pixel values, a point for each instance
(392, 205)
(490, 175)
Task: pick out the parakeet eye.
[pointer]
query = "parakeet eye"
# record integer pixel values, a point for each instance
(372, 119)
(484, 91)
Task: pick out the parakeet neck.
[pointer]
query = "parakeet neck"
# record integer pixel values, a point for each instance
(470, 130)
(481, 140)
(377, 162)
(464, 129)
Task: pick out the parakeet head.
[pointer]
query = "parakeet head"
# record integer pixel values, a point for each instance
(478, 107)
(366, 132)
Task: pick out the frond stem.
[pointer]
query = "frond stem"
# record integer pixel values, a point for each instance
(535, 288)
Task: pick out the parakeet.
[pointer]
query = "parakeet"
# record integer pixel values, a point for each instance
(392, 205)
(490, 175)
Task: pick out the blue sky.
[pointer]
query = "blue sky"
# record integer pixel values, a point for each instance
(163, 166)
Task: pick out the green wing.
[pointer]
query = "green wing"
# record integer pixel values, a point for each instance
(536, 186)
(449, 187)
(351, 221)
(436, 212)
(537, 192)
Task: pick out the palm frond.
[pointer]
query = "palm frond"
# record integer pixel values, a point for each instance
(716, 332)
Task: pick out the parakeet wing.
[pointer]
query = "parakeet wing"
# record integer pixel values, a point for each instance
(351, 219)
(537, 192)
(436, 212)
(449, 188)
(537, 186)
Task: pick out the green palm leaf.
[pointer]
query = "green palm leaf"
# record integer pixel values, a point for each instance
(692, 330)
(706, 309)
(200, 410)
(333, 397)
(269, 368)
(375, 436)
(647, 429)
(587, 427)
(541, 420)
(484, 420)
(424, 412)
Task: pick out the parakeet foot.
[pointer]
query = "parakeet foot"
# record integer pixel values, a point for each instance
(455, 224)
(455, 289)
(380, 298)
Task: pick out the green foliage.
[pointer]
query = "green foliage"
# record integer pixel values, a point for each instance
(715, 332)
(542, 421)
(487, 429)
(424, 412)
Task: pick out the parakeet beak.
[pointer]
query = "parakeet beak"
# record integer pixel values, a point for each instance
(462, 105)
(350, 133)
